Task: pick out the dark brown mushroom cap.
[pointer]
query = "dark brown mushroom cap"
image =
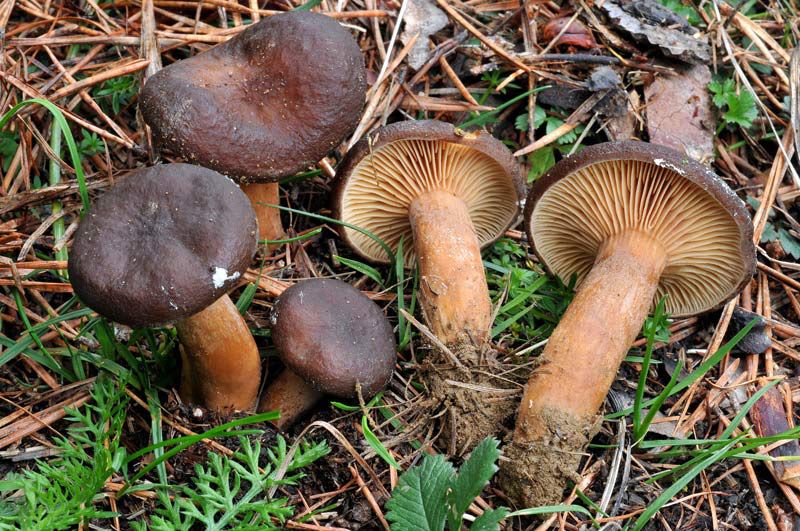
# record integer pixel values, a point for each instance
(268, 103)
(607, 188)
(334, 337)
(163, 244)
(387, 169)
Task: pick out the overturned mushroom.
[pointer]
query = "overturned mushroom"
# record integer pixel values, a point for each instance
(164, 246)
(635, 222)
(333, 341)
(266, 104)
(445, 193)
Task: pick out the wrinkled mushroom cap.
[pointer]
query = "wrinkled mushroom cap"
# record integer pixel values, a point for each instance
(613, 187)
(163, 244)
(268, 103)
(334, 337)
(387, 169)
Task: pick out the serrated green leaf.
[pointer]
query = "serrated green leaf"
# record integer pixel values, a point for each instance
(741, 108)
(540, 161)
(789, 243)
(539, 116)
(521, 122)
(418, 501)
(472, 477)
(769, 234)
(489, 520)
(720, 89)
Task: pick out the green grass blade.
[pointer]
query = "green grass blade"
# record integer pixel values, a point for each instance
(676, 487)
(697, 373)
(58, 116)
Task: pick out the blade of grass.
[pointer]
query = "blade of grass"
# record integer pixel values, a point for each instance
(697, 373)
(377, 445)
(482, 116)
(334, 221)
(364, 269)
(399, 272)
(676, 487)
(301, 237)
(55, 178)
(58, 116)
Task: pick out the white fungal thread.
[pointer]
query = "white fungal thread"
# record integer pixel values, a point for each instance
(220, 277)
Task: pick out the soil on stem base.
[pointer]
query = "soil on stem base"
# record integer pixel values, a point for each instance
(477, 405)
(535, 473)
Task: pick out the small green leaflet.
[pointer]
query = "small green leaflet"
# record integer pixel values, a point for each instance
(473, 476)
(376, 444)
(418, 501)
(432, 493)
(739, 109)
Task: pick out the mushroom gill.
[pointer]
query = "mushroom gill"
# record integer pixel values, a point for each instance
(383, 185)
(701, 239)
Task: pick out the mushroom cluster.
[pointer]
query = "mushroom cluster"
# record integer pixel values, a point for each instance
(635, 223)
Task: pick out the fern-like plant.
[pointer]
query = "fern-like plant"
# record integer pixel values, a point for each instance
(61, 493)
(232, 493)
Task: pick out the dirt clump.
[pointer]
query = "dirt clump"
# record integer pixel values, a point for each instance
(535, 473)
(478, 395)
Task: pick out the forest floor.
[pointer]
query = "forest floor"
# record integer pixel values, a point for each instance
(92, 431)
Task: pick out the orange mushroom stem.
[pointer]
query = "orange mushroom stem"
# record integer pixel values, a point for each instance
(221, 365)
(453, 291)
(291, 395)
(558, 413)
(593, 337)
(270, 226)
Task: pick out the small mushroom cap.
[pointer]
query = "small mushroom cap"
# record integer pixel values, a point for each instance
(163, 244)
(334, 337)
(389, 168)
(614, 187)
(268, 103)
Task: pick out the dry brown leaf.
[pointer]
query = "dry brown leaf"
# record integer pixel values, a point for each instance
(650, 22)
(679, 112)
(424, 18)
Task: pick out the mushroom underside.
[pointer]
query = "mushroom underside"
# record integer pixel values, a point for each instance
(579, 213)
(382, 187)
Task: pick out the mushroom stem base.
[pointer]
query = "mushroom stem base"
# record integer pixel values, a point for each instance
(453, 291)
(290, 395)
(535, 473)
(476, 403)
(221, 365)
(270, 226)
(584, 353)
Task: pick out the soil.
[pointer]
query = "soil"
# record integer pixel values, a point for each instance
(535, 473)
(480, 405)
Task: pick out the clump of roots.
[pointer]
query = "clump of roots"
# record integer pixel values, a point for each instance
(477, 392)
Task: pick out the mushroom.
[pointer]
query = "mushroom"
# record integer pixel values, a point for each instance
(446, 193)
(635, 222)
(266, 104)
(163, 246)
(333, 341)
